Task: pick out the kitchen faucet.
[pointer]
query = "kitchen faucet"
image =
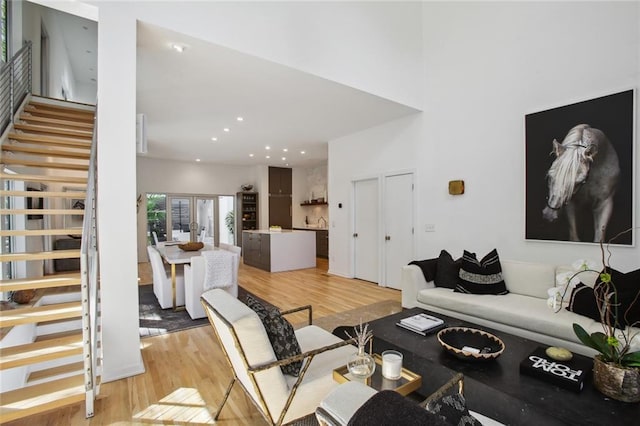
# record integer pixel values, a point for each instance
(323, 220)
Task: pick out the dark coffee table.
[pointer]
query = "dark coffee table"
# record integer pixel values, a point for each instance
(496, 388)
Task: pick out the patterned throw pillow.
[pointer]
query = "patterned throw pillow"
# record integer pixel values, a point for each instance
(481, 277)
(453, 409)
(281, 335)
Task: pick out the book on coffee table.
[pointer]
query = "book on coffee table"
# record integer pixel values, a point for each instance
(421, 323)
(569, 375)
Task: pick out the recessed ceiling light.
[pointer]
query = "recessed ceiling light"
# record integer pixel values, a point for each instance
(214, 139)
(287, 164)
(302, 152)
(284, 158)
(267, 147)
(178, 47)
(226, 129)
(239, 118)
(268, 156)
(250, 155)
(285, 150)
(197, 160)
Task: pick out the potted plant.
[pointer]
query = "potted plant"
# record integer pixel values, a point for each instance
(616, 369)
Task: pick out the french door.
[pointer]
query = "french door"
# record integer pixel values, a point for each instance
(205, 218)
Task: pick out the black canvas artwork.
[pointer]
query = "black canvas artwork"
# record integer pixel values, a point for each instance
(579, 171)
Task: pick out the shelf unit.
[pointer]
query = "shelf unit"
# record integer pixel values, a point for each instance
(247, 213)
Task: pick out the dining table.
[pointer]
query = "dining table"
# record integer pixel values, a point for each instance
(174, 255)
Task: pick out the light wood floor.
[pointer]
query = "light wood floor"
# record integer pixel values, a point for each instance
(186, 373)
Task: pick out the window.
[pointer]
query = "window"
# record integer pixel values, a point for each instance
(4, 20)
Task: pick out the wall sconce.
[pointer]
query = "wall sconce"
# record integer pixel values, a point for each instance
(456, 187)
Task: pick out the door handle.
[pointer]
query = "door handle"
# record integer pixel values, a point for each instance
(355, 235)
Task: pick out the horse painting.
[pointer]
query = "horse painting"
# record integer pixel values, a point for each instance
(584, 175)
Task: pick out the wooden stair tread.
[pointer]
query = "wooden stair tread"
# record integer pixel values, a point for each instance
(43, 397)
(43, 194)
(41, 351)
(74, 367)
(58, 107)
(49, 140)
(56, 122)
(37, 232)
(43, 178)
(43, 211)
(52, 130)
(42, 112)
(47, 281)
(46, 152)
(45, 164)
(40, 314)
(42, 255)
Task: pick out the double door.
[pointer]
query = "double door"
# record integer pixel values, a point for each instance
(383, 236)
(195, 218)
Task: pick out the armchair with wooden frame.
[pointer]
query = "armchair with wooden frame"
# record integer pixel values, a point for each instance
(279, 397)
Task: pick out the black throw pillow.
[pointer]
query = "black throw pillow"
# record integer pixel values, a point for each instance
(481, 277)
(453, 409)
(583, 302)
(583, 298)
(447, 270)
(281, 335)
(428, 267)
(627, 287)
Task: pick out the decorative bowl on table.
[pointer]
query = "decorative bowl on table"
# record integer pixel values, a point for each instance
(470, 344)
(190, 246)
(246, 187)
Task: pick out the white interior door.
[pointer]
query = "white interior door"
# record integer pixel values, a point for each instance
(398, 225)
(365, 230)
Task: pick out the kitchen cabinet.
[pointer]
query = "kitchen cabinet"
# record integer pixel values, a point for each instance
(256, 248)
(280, 181)
(277, 251)
(322, 244)
(246, 213)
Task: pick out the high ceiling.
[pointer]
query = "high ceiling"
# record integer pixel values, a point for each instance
(189, 98)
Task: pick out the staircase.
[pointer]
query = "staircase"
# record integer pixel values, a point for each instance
(49, 347)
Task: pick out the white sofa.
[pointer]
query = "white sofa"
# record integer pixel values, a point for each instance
(194, 285)
(523, 312)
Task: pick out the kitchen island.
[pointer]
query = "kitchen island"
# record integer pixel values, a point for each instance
(277, 251)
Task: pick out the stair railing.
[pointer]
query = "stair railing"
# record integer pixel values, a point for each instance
(15, 84)
(90, 284)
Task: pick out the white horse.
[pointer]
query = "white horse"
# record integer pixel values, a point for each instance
(584, 175)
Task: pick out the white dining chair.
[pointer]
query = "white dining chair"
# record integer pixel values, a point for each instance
(162, 287)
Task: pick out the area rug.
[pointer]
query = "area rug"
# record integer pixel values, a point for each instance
(155, 321)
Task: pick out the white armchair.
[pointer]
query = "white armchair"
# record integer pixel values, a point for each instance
(194, 285)
(280, 398)
(162, 287)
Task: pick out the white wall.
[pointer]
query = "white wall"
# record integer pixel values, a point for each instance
(489, 64)
(308, 180)
(372, 46)
(178, 177)
(117, 193)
